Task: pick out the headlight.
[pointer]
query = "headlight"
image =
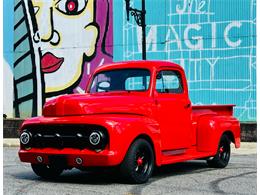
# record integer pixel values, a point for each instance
(94, 138)
(25, 137)
(98, 139)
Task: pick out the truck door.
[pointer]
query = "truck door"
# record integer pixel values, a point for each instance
(173, 109)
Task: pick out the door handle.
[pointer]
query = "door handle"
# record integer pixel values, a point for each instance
(156, 102)
(187, 105)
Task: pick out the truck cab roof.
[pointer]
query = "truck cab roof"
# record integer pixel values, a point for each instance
(138, 64)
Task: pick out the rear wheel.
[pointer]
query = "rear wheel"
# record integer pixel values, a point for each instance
(46, 171)
(138, 163)
(221, 159)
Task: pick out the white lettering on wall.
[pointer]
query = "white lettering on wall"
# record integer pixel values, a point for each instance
(151, 39)
(190, 40)
(230, 43)
(195, 6)
(212, 63)
(199, 39)
(213, 34)
(169, 40)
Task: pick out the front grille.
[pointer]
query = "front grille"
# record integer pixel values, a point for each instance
(63, 136)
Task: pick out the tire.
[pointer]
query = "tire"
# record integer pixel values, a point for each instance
(138, 164)
(46, 171)
(221, 159)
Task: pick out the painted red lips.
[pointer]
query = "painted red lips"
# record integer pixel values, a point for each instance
(50, 63)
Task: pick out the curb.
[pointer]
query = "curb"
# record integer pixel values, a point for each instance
(11, 142)
(11, 129)
(245, 147)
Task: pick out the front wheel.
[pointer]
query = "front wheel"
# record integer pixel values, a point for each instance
(138, 164)
(46, 171)
(222, 157)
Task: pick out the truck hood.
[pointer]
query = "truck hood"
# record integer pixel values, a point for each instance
(86, 104)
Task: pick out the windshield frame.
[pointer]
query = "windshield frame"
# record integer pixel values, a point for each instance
(116, 69)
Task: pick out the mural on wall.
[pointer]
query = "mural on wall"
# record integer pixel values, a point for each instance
(212, 39)
(8, 58)
(57, 44)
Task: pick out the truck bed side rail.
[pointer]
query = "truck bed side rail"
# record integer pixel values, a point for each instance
(224, 110)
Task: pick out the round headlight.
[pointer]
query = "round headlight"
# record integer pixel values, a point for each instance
(25, 137)
(94, 138)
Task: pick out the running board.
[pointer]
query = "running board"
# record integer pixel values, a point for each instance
(184, 154)
(173, 152)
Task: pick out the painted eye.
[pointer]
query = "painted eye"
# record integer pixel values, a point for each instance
(36, 9)
(71, 7)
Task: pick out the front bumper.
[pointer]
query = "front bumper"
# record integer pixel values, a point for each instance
(90, 158)
(120, 133)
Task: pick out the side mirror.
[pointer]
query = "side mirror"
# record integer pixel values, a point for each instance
(159, 75)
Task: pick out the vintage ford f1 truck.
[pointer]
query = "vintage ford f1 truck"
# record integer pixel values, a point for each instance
(133, 116)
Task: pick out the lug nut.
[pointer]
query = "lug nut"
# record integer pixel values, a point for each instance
(79, 160)
(39, 159)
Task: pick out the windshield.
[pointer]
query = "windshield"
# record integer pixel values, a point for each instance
(121, 80)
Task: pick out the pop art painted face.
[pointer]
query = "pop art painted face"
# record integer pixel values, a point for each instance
(67, 34)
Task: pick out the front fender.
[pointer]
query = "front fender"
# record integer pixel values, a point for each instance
(128, 128)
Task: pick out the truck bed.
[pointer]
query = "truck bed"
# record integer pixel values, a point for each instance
(204, 117)
(223, 110)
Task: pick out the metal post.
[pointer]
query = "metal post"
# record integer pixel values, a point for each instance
(139, 16)
(143, 30)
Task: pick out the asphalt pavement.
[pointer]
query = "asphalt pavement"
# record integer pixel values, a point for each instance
(192, 177)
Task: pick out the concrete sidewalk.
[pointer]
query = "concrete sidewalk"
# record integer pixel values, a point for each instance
(11, 142)
(246, 147)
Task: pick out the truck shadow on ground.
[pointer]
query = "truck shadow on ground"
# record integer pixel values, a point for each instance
(106, 177)
(181, 169)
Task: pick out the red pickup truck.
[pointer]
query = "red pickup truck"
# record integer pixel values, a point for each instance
(133, 116)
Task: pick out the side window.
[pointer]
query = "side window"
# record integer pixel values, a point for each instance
(169, 81)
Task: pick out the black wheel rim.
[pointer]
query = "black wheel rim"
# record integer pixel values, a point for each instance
(143, 161)
(224, 151)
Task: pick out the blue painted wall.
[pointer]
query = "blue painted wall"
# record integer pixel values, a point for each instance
(214, 40)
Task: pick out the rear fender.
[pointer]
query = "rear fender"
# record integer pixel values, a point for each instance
(210, 130)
